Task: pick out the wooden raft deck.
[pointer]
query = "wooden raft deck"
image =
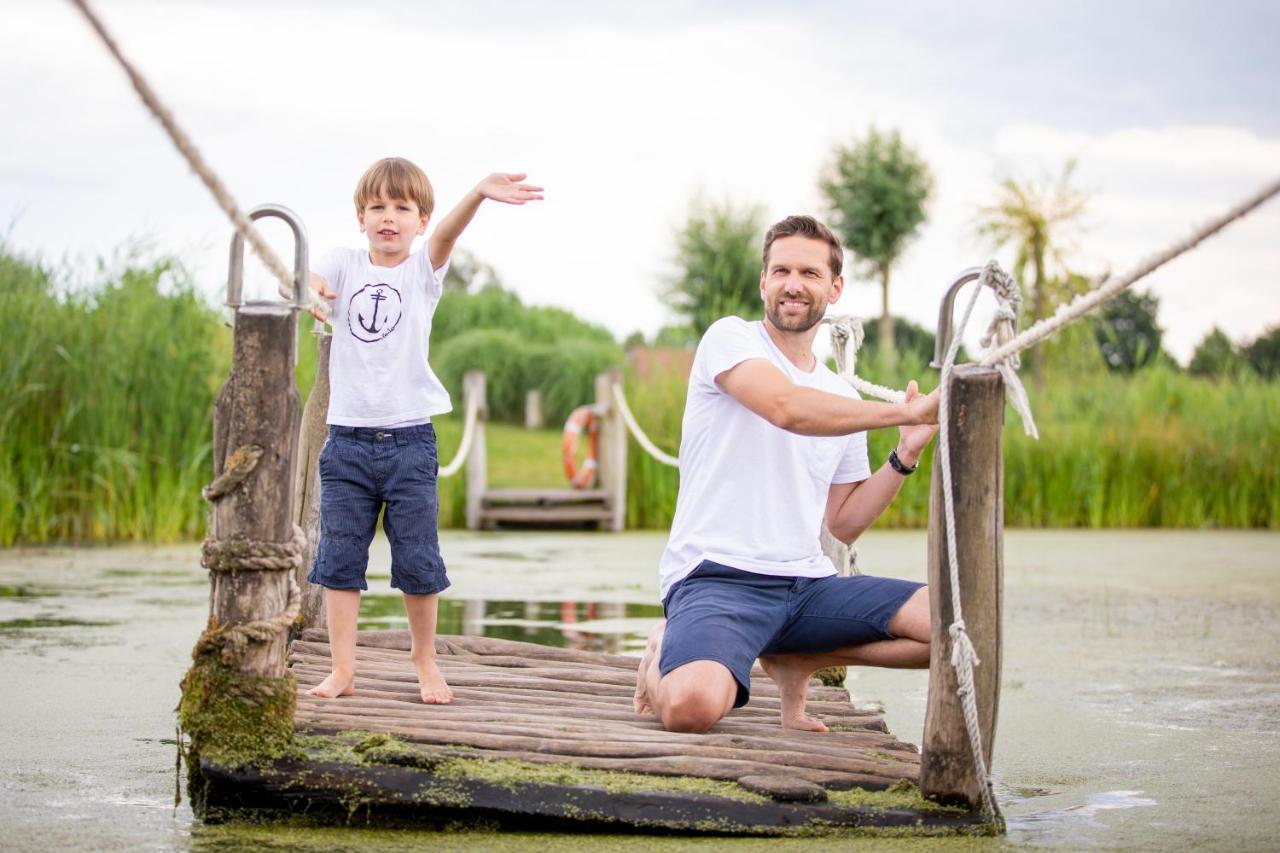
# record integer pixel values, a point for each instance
(546, 737)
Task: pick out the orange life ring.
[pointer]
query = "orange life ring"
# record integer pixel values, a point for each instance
(581, 419)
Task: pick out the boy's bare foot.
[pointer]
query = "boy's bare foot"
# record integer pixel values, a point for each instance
(431, 682)
(791, 674)
(652, 652)
(337, 684)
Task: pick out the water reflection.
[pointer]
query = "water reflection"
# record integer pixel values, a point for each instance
(599, 626)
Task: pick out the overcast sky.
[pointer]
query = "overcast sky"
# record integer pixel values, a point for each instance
(626, 113)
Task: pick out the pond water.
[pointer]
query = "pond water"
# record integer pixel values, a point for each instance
(1140, 707)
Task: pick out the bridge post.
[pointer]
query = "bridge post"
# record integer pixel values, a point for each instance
(477, 464)
(306, 490)
(976, 416)
(613, 450)
(238, 697)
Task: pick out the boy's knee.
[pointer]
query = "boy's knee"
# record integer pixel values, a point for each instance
(912, 621)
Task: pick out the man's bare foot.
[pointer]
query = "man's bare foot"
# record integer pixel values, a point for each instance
(652, 652)
(431, 682)
(791, 674)
(337, 684)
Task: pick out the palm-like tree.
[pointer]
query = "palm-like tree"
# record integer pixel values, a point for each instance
(1040, 219)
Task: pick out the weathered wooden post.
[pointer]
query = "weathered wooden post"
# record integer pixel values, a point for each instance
(976, 417)
(477, 463)
(238, 698)
(306, 491)
(533, 410)
(613, 450)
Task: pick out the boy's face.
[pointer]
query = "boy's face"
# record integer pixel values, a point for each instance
(391, 224)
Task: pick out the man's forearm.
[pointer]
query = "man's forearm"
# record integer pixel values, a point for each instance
(808, 411)
(865, 504)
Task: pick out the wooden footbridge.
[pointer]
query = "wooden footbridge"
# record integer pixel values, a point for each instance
(536, 736)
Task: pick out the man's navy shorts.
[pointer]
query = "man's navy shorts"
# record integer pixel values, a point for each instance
(360, 470)
(733, 617)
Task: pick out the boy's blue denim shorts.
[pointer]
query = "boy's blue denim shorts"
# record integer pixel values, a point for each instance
(360, 470)
(733, 617)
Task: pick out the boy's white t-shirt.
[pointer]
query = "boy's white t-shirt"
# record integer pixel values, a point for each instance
(752, 496)
(378, 370)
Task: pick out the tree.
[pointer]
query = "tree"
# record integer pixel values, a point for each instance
(1038, 218)
(718, 263)
(876, 189)
(1215, 356)
(467, 274)
(1263, 354)
(1126, 331)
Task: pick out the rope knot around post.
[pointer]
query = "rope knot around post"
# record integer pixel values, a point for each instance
(230, 641)
(240, 464)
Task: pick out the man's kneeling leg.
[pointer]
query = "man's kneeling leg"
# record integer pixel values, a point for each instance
(695, 696)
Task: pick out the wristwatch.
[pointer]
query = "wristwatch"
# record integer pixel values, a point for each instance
(900, 466)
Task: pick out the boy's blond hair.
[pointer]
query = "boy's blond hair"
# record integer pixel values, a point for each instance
(392, 178)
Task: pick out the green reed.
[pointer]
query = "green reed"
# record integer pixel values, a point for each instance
(108, 390)
(1156, 449)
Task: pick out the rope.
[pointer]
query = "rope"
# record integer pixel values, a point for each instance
(241, 554)
(634, 427)
(244, 227)
(847, 335)
(963, 656)
(239, 465)
(231, 640)
(253, 555)
(468, 435)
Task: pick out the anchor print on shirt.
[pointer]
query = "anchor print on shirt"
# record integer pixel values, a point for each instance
(373, 312)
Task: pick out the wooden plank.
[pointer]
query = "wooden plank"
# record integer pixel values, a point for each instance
(600, 680)
(568, 707)
(541, 514)
(549, 740)
(976, 415)
(543, 497)
(636, 729)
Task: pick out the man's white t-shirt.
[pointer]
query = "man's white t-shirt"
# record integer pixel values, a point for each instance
(752, 496)
(378, 370)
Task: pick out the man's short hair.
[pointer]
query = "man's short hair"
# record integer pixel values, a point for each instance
(392, 178)
(806, 226)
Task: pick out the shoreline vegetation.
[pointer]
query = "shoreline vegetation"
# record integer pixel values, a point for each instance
(109, 387)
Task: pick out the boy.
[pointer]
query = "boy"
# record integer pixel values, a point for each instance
(382, 446)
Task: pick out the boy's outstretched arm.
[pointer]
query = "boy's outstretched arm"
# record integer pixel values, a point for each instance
(506, 188)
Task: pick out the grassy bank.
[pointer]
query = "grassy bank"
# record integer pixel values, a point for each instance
(108, 389)
(1159, 448)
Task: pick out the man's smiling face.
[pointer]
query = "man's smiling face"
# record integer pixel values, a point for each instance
(797, 285)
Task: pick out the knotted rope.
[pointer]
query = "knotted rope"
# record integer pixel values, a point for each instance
(847, 335)
(241, 554)
(232, 640)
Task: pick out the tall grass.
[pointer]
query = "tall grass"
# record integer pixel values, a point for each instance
(106, 425)
(108, 389)
(1159, 448)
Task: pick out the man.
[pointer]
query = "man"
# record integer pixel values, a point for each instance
(773, 442)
